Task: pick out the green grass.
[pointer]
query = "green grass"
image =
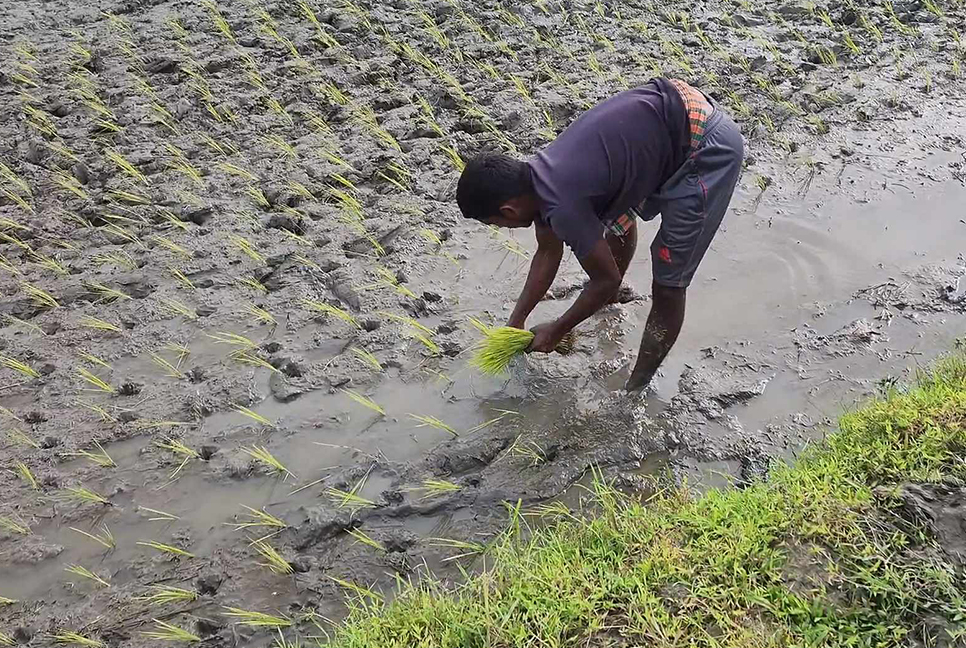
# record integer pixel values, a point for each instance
(814, 556)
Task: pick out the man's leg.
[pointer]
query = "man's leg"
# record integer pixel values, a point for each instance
(696, 200)
(661, 332)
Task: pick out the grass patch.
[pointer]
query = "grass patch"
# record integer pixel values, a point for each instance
(814, 556)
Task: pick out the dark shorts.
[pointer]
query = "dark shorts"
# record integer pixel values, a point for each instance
(692, 203)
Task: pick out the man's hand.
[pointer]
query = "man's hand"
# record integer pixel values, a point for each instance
(546, 337)
(543, 269)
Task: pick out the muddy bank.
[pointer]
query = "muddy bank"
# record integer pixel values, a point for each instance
(222, 222)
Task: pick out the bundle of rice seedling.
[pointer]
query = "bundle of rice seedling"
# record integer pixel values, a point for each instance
(502, 344)
(499, 346)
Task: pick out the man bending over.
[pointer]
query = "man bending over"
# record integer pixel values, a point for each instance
(661, 148)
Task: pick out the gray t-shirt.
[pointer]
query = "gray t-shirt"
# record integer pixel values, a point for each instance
(608, 160)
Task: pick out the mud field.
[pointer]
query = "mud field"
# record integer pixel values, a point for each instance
(235, 287)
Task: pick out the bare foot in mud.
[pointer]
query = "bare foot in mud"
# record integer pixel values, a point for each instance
(625, 295)
(637, 384)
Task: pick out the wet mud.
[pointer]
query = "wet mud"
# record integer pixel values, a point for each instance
(178, 173)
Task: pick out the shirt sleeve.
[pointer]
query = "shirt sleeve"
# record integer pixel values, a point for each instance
(578, 227)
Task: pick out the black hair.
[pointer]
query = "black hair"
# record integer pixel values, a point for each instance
(488, 182)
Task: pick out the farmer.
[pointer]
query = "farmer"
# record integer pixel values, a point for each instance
(661, 148)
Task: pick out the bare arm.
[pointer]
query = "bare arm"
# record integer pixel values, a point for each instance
(663, 325)
(605, 279)
(543, 270)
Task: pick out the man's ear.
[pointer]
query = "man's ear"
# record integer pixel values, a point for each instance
(513, 209)
(510, 210)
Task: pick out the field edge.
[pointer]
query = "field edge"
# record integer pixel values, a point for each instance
(839, 548)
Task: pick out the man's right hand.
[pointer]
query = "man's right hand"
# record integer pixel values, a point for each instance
(543, 269)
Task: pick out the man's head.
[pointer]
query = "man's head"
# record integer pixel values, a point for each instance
(496, 190)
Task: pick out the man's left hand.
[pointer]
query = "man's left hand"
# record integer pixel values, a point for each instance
(546, 337)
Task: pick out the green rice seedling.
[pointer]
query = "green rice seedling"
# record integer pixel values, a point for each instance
(246, 247)
(69, 183)
(172, 221)
(298, 238)
(468, 548)
(120, 258)
(232, 338)
(260, 314)
(177, 308)
(182, 278)
(529, 451)
(499, 347)
(158, 515)
(20, 438)
(101, 458)
(432, 421)
(254, 284)
(263, 456)
(106, 294)
(84, 495)
(328, 309)
(258, 197)
(426, 341)
(255, 416)
(17, 365)
(93, 359)
(12, 526)
(388, 278)
(361, 592)
(219, 20)
(259, 519)
(6, 640)
(120, 232)
(105, 538)
(39, 296)
(24, 472)
(367, 358)
(407, 321)
(128, 197)
(125, 166)
(78, 639)
(436, 487)
(169, 369)
(88, 321)
(9, 267)
(348, 499)
(167, 632)
(249, 358)
(458, 163)
(232, 169)
(6, 601)
(21, 202)
(364, 401)
(301, 190)
(273, 559)
(84, 572)
(252, 619)
(284, 148)
(15, 241)
(165, 548)
(181, 350)
(6, 412)
(351, 498)
(99, 410)
(180, 449)
(171, 246)
(850, 43)
(365, 539)
(95, 382)
(164, 594)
